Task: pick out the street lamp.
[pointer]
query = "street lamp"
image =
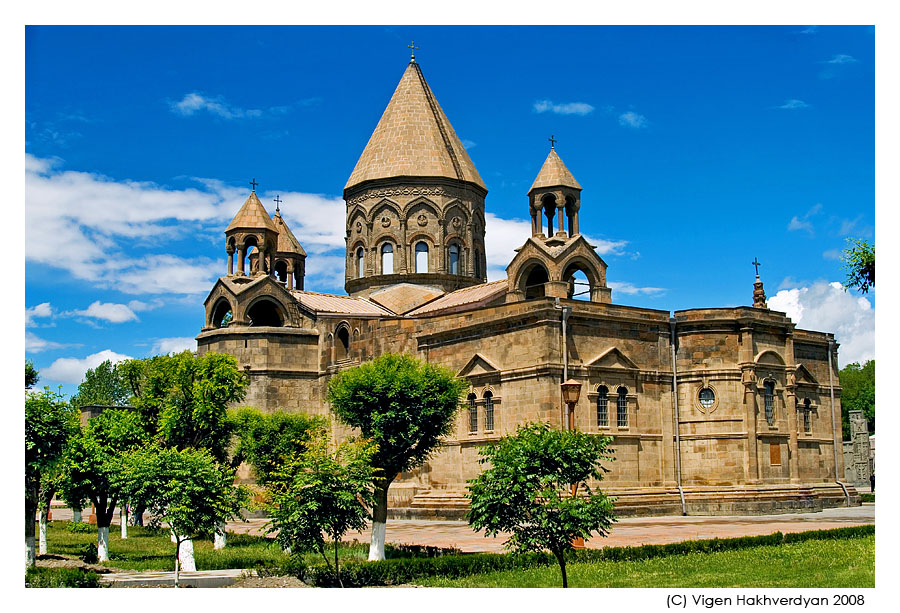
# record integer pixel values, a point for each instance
(571, 390)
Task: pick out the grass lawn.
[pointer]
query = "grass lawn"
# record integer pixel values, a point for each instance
(821, 564)
(146, 549)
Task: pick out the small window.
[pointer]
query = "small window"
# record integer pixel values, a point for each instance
(707, 398)
(342, 347)
(622, 408)
(360, 263)
(488, 411)
(421, 256)
(806, 409)
(769, 391)
(387, 259)
(473, 414)
(602, 407)
(454, 259)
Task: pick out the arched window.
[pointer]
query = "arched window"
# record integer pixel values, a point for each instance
(265, 313)
(281, 271)
(222, 314)
(602, 407)
(476, 262)
(421, 256)
(622, 408)
(454, 259)
(534, 282)
(473, 414)
(806, 424)
(342, 346)
(387, 259)
(488, 411)
(769, 392)
(360, 263)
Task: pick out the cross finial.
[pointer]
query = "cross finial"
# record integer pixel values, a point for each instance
(277, 200)
(552, 141)
(412, 45)
(756, 265)
(253, 184)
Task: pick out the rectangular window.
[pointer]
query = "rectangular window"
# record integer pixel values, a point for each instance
(473, 414)
(488, 411)
(806, 425)
(770, 401)
(622, 411)
(602, 411)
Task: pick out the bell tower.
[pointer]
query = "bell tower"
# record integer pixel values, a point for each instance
(415, 202)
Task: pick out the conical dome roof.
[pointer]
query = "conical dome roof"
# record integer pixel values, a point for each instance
(414, 138)
(252, 215)
(287, 242)
(554, 174)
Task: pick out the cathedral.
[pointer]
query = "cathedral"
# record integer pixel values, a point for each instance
(711, 411)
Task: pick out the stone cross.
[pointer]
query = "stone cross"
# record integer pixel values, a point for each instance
(412, 46)
(756, 265)
(253, 184)
(277, 203)
(552, 141)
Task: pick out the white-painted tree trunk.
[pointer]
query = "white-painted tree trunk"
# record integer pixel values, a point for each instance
(186, 556)
(103, 544)
(29, 551)
(123, 520)
(76, 516)
(42, 531)
(219, 540)
(376, 546)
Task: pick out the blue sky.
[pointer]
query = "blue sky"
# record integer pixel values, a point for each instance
(698, 149)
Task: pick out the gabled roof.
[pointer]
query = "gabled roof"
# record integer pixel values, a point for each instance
(252, 215)
(464, 299)
(405, 297)
(554, 174)
(339, 305)
(287, 242)
(414, 138)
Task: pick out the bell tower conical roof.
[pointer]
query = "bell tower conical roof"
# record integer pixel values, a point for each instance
(554, 174)
(252, 215)
(414, 138)
(287, 242)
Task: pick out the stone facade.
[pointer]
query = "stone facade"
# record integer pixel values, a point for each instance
(721, 410)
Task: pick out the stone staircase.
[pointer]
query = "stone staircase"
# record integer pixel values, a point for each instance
(434, 504)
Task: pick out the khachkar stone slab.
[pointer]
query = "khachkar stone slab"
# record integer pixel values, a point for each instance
(857, 467)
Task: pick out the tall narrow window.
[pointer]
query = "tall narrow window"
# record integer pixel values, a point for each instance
(421, 256)
(387, 259)
(622, 408)
(769, 391)
(476, 262)
(454, 259)
(473, 414)
(360, 263)
(488, 411)
(342, 347)
(806, 424)
(602, 407)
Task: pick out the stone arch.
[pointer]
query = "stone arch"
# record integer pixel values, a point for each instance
(384, 207)
(265, 311)
(532, 279)
(281, 270)
(579, 263)
(548, 209)
(342, 342)
(221, 314)
(455, 256)
(356, 259)
(769, 356)
(430, 257)
(387, 255)
(420, 203)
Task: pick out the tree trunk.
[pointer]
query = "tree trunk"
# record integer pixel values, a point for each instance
(561, 558)
(30, 510)
(186, 555)
(76, 516)
(42, 532)
(102, 543)
(177, 558)
(219, 539)
(337, 567)
(379, 520)
(123, 521)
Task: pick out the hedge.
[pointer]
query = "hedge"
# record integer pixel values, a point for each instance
(37, 576)
(453, 566)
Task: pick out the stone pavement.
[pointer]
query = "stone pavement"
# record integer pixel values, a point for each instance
(200, 578)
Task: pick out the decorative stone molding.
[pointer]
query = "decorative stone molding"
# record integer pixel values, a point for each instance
(397, 191)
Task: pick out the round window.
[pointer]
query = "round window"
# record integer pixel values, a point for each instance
(707, 398)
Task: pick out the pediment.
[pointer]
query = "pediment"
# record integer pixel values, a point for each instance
(615, 359)
(769, 357)
(804, 376)
(478, 365)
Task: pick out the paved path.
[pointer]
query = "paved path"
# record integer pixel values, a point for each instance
(627, 531)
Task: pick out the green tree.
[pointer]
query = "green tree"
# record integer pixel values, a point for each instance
(270, 441)
(858, 394)
(404, 407)
(103, 385)
(859, 263)
(187, 489)
(322, 493)
(49, 424)
(93, 466)
(537, 488)
(31, 375)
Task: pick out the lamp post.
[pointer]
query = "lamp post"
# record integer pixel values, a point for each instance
(571, 390)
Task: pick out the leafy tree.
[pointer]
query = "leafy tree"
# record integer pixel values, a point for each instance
(103, 385)
(49, 424)
(858, 394)
(31, 375)
(532, 490)
(269, 441)
(93, 465)
(322, 493)
(186, 488)
(404, 407)
(859, 262)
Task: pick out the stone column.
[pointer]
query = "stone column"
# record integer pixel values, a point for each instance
(404, 249)
(751, 408)
(290, 274)
(230, 251)
(441, 251)
(242, 251)
(790, 401)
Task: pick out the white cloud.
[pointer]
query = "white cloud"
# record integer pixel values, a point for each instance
(567, 108)
(175, 344)
(793, 104)
(804, 223)
(826, 307)
(633, 120)
(468, 144)
(35, 344)
(629, 289)
(194, 103)
(71, 370)
(842, 58)
(39, 310)
(325, 272)
(108, 311)
(809, 30)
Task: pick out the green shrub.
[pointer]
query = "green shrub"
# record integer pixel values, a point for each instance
(60, 577)
(870, 497)
(833, 534)
(80, 527)
(88, 554)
